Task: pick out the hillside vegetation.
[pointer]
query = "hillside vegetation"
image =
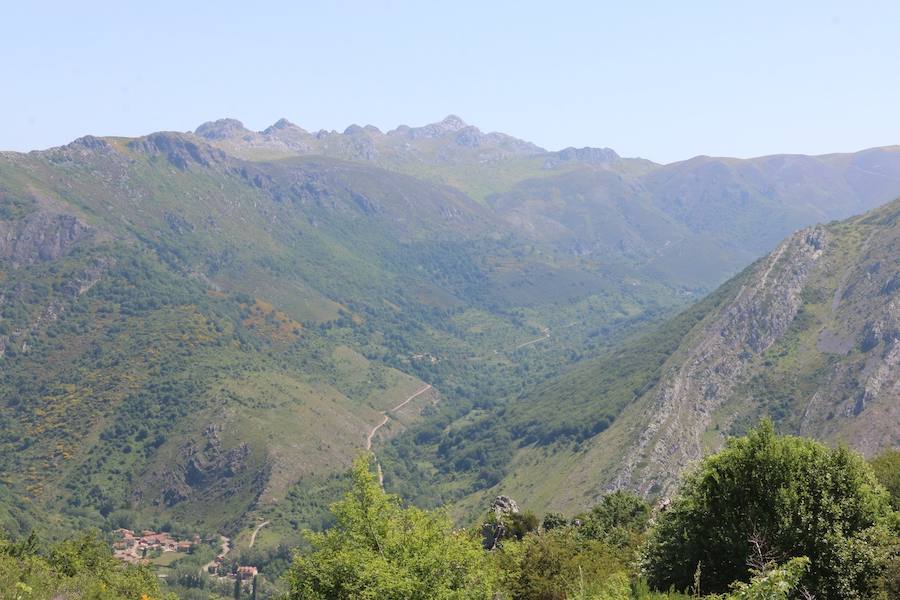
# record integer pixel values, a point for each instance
(200, 330)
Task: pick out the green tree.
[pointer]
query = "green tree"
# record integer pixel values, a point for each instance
(380, 550)
(553, 565)
(554, 521)
(521, 524)
(768, 498)
(775, 583)
(887, 469)
(82, 567)
(619, 519)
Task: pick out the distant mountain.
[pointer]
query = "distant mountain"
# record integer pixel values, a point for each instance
(204, 327)
(692, 223)
(808, 336)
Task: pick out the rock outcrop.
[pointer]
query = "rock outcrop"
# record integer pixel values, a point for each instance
(706, 375)
(180, 151)
(40, 236)
(495, 529)
(204, 470)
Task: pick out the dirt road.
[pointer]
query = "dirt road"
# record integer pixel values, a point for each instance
(255, 531)
(386, 417)
(226, 548)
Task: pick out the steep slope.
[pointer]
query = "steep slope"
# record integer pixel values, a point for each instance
(810, 339)
(809, 336)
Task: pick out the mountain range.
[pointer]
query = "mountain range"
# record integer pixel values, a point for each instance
(205, 327)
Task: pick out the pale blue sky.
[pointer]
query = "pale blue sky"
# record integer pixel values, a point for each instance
(663, 80)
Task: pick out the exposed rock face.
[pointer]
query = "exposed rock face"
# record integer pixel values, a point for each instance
(591, 155)
(221, 129)
(493, 532)
(178, 150)
(283, 125)
(89, 142)
(450, 124)
(449, 140)
(40, 236)
(203, 471)
(682, 406)
(504, 505)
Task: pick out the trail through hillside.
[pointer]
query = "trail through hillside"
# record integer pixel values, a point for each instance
(225, 549)
(544, 336)
(255, 531)
(385, 418)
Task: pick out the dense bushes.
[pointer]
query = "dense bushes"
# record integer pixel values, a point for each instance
(887, 470)
(553, 565)
(765, 499)
(81, 568)
(378, 549)
(770, 517)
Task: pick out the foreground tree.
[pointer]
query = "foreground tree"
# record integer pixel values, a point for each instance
(79, 568)
(887, 470)
(765, 499)
(620, 519)
(381, 550)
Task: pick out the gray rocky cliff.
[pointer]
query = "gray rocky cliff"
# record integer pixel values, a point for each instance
(684, 401)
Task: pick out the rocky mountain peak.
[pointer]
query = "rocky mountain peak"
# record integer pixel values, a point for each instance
(450, 124)
(588, 154)
(221, 129)
(90, 142)
(453, 123)
(282, 125)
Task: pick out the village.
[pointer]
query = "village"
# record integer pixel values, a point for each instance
(132, 547)
(139, 548)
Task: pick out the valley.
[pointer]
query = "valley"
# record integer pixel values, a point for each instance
(201, 330)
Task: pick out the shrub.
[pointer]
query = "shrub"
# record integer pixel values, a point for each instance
(619, 519)
(773, 498)
(378, 549)
(887, 470)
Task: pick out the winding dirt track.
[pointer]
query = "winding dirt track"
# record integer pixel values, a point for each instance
(386, 416)
(255, 531)
(544, 336)
(226, 548)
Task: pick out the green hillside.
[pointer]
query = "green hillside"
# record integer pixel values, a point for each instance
(202, 329)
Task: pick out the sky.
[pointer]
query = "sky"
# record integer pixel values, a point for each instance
(660, 80)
